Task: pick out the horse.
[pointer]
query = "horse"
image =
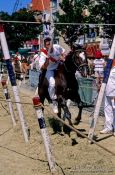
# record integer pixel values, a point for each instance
(20, 69)
(25, 68)
(66, 86)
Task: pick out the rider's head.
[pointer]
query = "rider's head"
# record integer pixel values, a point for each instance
(47, 43)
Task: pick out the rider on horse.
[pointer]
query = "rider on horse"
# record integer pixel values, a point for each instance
(50, 57)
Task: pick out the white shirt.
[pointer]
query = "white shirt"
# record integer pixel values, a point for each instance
(99, 64)
(56, 55)
(18, 56)
(104, 46)
(110, 87)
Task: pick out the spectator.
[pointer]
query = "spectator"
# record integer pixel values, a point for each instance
(16, 63)
(109, 106)
(99, 64)
(104, 46)
(18, 56)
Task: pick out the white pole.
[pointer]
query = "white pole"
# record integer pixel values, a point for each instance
(7, 80)
(7, 96)
(13, 81)
(101, 93)
(36, 92)
(44, 133)
(1, 74)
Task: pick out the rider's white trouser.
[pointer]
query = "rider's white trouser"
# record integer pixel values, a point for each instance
(109, 111)
(51, 80)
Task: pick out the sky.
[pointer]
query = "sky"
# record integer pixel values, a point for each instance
(8, 5)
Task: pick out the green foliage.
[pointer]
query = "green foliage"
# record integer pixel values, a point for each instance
(101, 11)
(17, 33)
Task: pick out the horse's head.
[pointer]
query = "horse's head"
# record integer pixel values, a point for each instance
(80, 60)
(79, 57)
(77, 61)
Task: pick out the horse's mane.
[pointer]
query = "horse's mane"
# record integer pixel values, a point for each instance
(69, 63)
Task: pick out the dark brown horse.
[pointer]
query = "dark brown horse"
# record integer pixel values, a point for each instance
(66, 86)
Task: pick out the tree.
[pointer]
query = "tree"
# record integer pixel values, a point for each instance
(18, 33)
(100, 11)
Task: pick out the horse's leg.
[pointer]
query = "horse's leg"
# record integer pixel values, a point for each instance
(78, 118)
(63, 104)
(66, 115)
(56, 124)
(41, 95)
(66, 129)
(75, 97)
(59, 124)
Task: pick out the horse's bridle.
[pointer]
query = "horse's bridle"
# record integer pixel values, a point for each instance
(77, 67)
(80, 66)
(73, 60)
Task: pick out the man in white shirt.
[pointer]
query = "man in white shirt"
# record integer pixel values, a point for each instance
(18, 56)
(109, 107)
(49, 59)
(16, 63)
(104, 46)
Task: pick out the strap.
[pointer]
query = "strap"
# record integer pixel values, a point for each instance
(46, 54)
(44, 51)
(53, 59)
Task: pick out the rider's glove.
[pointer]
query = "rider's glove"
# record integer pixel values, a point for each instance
(46, 63)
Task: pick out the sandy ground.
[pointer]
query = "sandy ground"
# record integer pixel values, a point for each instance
(20, 158)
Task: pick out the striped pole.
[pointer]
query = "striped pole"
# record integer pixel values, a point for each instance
(7, 96)
(13, 81)
(1, 76)
(1, 71)
(102, 90)
(36, 92)
(44, 133)
(7, 80)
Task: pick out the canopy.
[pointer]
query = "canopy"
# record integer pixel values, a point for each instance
(23, 51)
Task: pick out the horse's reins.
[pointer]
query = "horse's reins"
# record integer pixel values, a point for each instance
(73, 58)
(76, 130)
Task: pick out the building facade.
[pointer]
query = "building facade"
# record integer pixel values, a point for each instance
(44, 5)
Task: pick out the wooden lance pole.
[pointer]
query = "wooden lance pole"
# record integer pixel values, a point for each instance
(7, 96)
(13, 81)
(44, 133)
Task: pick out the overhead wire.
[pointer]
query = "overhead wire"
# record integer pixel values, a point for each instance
(55, 23)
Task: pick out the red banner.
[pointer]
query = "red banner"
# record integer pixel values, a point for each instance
(91, 49)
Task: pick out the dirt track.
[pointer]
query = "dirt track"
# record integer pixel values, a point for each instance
(19, 158)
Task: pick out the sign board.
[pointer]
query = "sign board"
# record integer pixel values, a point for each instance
(91, 49)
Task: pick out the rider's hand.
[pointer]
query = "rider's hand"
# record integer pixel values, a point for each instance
(46, 64)
(62, 58)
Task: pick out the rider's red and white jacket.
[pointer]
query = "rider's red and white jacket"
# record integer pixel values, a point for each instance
(54, 57)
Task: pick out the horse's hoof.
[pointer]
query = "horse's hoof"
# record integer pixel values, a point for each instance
(74, 142)
(76, 122)
(61, 133)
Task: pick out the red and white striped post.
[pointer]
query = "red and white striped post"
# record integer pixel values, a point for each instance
(13, 81)
(101, 93)
(1, 73)
(44, 133)
(7, 96)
